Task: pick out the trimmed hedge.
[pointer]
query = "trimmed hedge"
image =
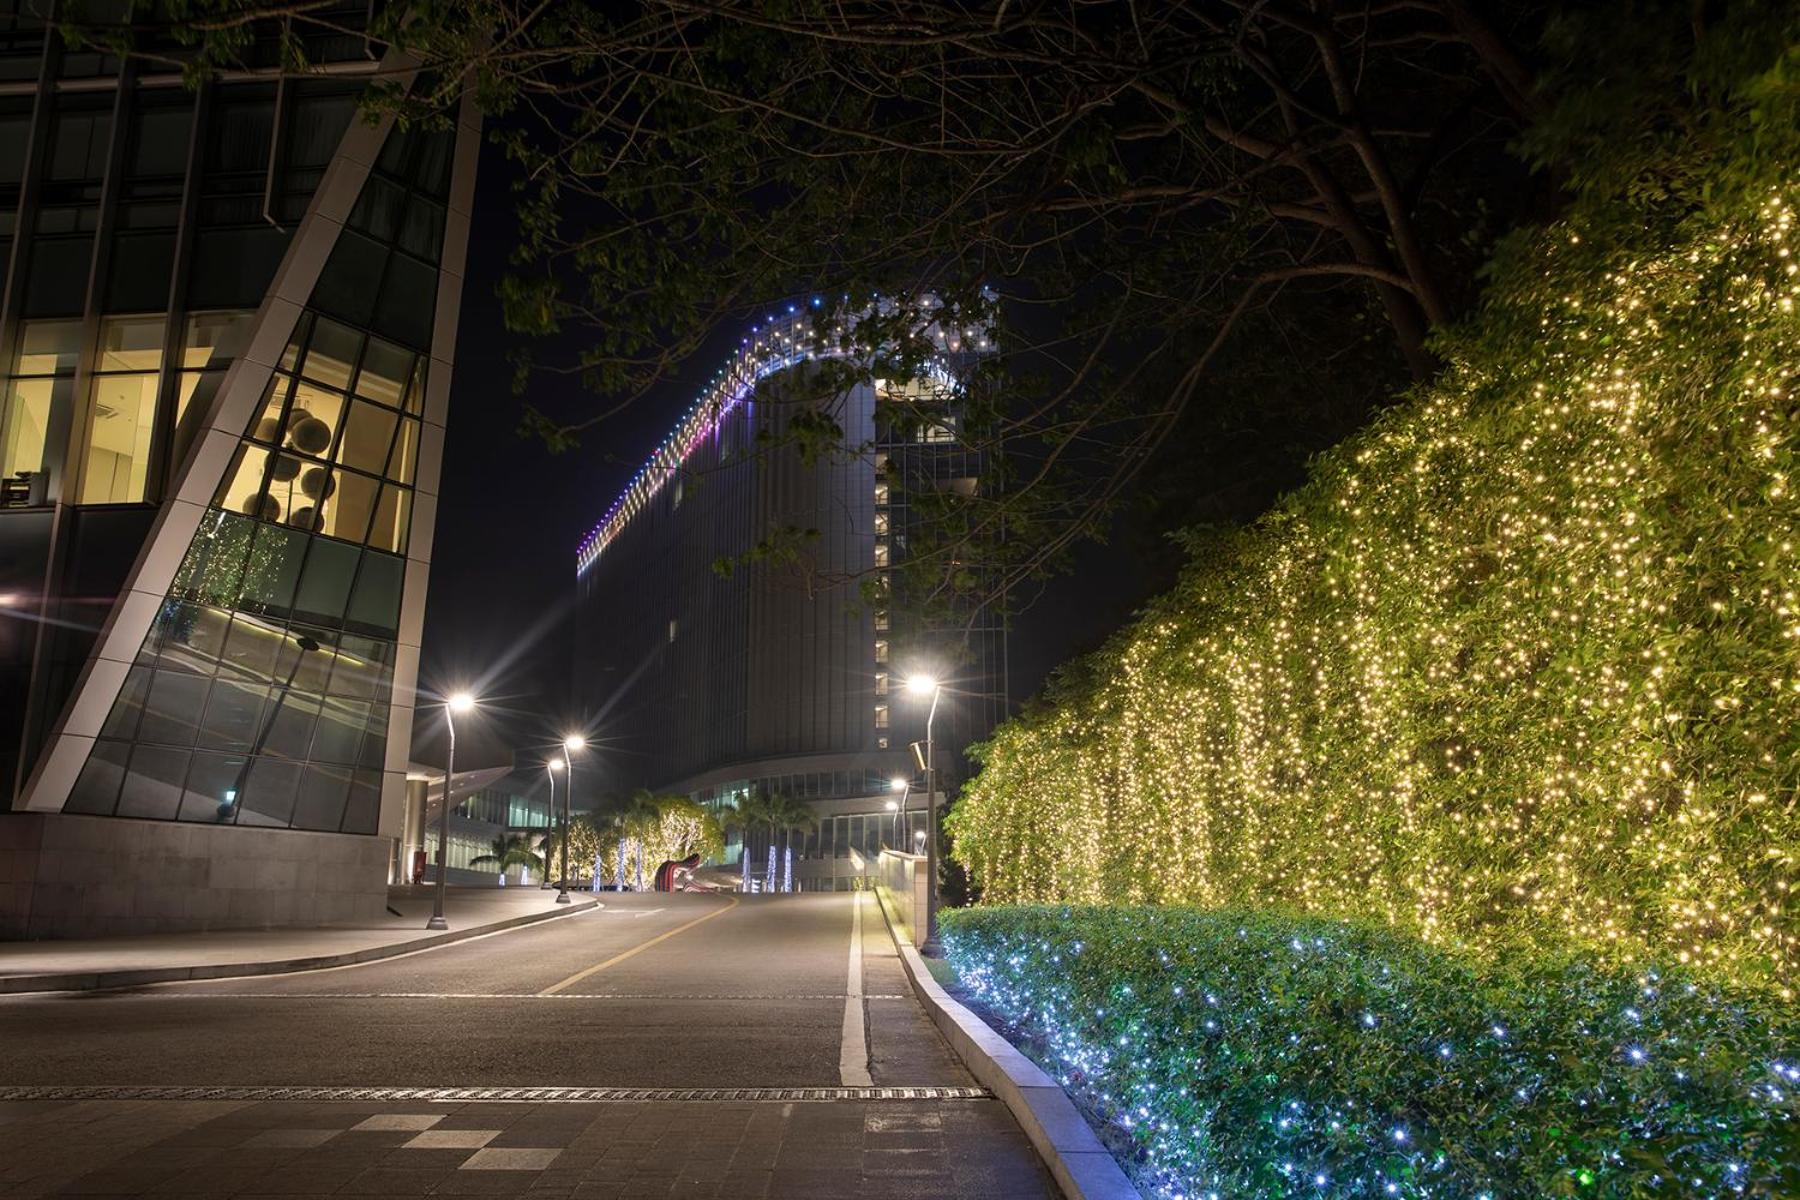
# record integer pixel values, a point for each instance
(1256, 1055)
(1520, 663)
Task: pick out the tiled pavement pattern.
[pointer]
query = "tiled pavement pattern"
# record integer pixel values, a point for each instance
(867, 1150)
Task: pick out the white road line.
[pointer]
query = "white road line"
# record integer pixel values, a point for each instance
(185, 997)
(853, 1056)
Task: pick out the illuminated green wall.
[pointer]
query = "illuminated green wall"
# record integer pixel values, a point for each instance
(1522, 661)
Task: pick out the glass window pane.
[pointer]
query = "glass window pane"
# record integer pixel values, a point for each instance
(29, 403)
(214, 339)
(415, 391)
(367, 438)
(363, 811)
(388, 530)
(251, 645)
(96, 790)
(408, 297)
(362, 668)
(323, 790)
(351, 501)
(131, 343)
(234, 713)
(213, 784)
(313, 420)
(186, 638)
(406, 452)
(172, 714)
(122, 721)
(268, 797)
(115, 468)
(214, 565)
(48, 347)
(325, 587)
(376, 602)
(242, 491)
(386, 370)
(374, 747)
(194, 392)
(153, 784)
(288, 726)
(273, 570)
(331, 354)
(304, 661)
(339, 736)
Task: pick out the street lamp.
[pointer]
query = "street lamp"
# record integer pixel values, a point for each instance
(551, 767)
(904, 787)
(457, 702)
(571, 744)
(926, 685)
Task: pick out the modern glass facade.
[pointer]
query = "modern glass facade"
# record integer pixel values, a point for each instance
(225, 332)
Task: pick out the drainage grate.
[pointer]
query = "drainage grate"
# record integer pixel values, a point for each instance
(537, 1095)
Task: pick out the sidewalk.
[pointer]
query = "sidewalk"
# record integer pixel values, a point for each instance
(153, 958)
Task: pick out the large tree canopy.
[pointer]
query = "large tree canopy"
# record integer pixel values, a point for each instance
(1175, 220)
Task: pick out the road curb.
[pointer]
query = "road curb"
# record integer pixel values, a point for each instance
(90, 981)
(1083, 1167)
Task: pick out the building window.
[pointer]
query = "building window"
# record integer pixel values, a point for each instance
(881, 716)
(672, 625)
(881, 554)
(41, 384)
(881, 743)
(881, 619)
(881, 650)
(881, 522)
(881, 495)
(115, 465)
(881, 683)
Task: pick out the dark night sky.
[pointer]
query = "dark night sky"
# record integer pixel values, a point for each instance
(499, 617)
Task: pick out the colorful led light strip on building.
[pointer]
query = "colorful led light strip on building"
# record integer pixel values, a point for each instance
(774, 345)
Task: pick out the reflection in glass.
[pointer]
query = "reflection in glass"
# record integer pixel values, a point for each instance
(323, 790)
(153, 784)
(97, 789)
(268, 796)
(213, 783)
(172, 714)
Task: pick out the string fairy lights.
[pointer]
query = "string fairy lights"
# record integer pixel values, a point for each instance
(1520, 664)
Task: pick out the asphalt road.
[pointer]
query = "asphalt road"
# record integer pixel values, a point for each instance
(650, 991)
(656, 991)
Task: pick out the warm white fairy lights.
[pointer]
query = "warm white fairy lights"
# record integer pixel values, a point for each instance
(1521, 662)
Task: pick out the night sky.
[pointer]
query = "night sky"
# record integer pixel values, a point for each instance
(499, 618)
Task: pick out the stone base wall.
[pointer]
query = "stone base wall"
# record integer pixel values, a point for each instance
(66, 876)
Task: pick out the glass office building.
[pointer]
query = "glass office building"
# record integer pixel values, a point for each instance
(225, 347)
(773, 676)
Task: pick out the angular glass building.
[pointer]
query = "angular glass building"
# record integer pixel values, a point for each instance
(225, 350)
(773, 677)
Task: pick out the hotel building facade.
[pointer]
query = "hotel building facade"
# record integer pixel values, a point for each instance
(226, 332)
(775, 675)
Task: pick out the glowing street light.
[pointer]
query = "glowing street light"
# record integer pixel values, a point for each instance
(571, 743)
(551, 767)
(927, 685)
(456, 702)
(903, 785)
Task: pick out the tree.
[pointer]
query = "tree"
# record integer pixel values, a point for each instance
(1113, 205)
(509, 850)
(740, 815)
(790, 816)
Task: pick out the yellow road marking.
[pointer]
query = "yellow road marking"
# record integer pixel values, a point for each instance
(580, 975)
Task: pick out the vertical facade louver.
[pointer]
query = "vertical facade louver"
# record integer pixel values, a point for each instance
(227, 343)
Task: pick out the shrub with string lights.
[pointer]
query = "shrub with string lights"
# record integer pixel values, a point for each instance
(1520, 663)
(1246, 1054)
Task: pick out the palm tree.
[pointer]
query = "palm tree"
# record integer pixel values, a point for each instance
(637, 818)
(509, 850)
(739, 815)
(791, 815)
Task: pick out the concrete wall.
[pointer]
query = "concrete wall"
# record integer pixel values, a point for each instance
(64, 876)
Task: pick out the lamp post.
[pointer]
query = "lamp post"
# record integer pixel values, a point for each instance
(459, 702)
(570, 744)
(923, 685)
(904, 787)
(551, 767)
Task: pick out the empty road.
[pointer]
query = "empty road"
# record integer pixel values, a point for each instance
(688, 992)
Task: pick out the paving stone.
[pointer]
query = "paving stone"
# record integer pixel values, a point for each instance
(451, 1139)
(415, 1121)
(510, 1158)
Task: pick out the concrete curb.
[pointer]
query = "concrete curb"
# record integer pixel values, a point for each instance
(88, 981)
(1083, 1168)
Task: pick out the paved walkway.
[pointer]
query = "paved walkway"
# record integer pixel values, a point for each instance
(468, 909)
(664, 1001)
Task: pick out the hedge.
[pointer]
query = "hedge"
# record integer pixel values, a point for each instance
(1520, 663)
(1255, 1055)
